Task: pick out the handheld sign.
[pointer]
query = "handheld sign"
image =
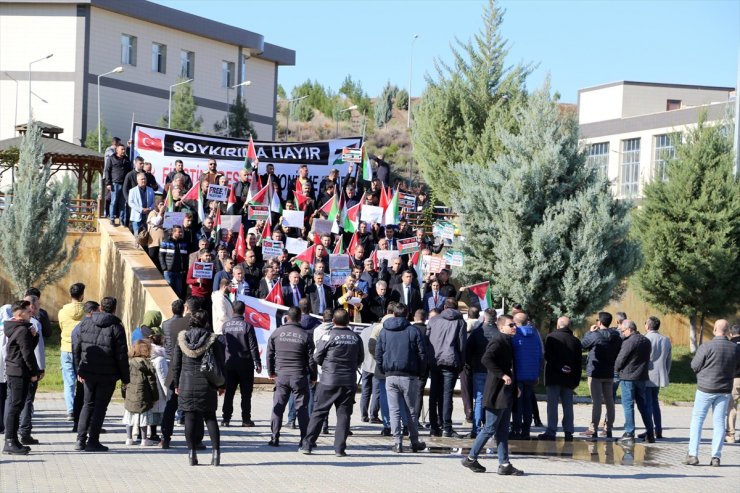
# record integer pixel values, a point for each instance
(231, 222)
(173, 219)
(271, 249)
(322, 226)
(218, 192)
(456, 258)
(203, 270)
(408, 245)
(339, 276)
(256, 212)
(295, 245)
(350, 155)
(293, 219)
(406, 200)
(371, 214)
(338, 262)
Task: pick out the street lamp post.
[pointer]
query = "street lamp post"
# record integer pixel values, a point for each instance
(229, 88)
(29, 81)
(116, 70)
(290, 112)
(411, 67)
(336, 131)
(169, 102)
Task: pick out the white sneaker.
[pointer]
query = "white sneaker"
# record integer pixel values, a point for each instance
(145, 442)
(130, 441)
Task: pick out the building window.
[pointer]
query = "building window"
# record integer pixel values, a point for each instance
(227, 74)
(598, 157)
(241, 89)
(128, 50)
(187, 64)
(630, 168)
(672, 104)
(665, 151)
(159, 58)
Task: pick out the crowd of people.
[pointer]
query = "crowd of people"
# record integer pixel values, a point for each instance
(389, 323)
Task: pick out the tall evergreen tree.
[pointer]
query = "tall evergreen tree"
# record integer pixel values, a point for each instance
(34, 226)
(689, 229)
(384, 105)
(91, 140)
(462, 109)
(184, 110)
(239, 125)
(541, 225)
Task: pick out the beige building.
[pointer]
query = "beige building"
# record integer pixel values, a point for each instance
(631, 128)
(155, 45)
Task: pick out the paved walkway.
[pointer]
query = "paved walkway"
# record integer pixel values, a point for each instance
(249, 465)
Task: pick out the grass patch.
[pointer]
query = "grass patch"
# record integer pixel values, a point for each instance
(52, 381)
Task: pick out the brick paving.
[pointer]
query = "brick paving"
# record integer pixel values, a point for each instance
(249, 465)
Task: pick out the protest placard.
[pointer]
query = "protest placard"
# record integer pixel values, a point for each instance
(322, 226)
(339, 276)
(408, 245)
(406, 200)
(456, 258)
(338, 262)
(231, 222)
(293, 219)
(295, 245)
(431, 264)
(444, 230)
(271, 248)
(203, 270)
(387, 254)
(371, 214)
(172, 219)
(256, 212)
(351, 155)
(218, 193)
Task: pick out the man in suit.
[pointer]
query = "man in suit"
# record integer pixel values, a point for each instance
(658, 370)
(434, 300)
(319, 295)
(141, 202)
(406, 293)
(377, 306)
(390, 236)
(268, 281)
(292, 293)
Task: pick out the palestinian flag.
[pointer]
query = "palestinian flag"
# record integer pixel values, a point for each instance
(240, 250)
(416, 263)
(384, 198)
(483, 292)
(352, 217)
(392, 215)
(266, 233)
(331, 207)
(307, 255)
(231, 204)
(300, 201)
(276, 294)
(169, 203)
(367, 169)
(216, 226)
(353, 243)
(254, 186)
(194, 194)
(251, 155)
(339, 247)
(262, 197)
(374, 258)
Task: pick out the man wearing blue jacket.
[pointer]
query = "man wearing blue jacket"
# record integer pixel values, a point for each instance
(527, 364)
(400, 354)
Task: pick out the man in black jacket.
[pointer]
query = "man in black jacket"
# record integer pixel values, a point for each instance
(171, 328)
(498, 399)
(406, 293)
(173, 258)
(100, 352)
(340, 354)
(562, 375)
(242, 357)
(401, 355)
(21, 369)
(115, 172)
(632, 364)
(475, 347)
(375, 309)
(291, 366)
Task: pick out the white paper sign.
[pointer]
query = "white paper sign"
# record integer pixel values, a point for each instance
(271, 249)
(295, 245)
(293, 219)
(218, 192)
(371, 214)
(339, 276)
(173, 219)
(387, 254)
(231, 222)
(322, 226)
(339, 261)
(202, 270)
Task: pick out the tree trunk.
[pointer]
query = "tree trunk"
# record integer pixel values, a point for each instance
(701, 329)
(692, 332)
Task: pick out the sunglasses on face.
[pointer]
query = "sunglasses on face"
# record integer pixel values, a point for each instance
(512, 325)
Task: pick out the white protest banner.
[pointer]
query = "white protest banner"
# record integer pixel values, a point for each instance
(218, 193)
(431, 264)
(371, 214)
(387, 255)
(293, 219)
(322, 226)
(256, 212)
(271, 248)
(406, 200)
(456, 258)
(202, 270)
(173, 219)
(265, 317)
(339, 276)
(161, 147)
(338, 262)
(408, 245)
(231, 222)
(295, 245)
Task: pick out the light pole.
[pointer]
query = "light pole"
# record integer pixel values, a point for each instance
(116, 70)
(169, 102)
(229, 88)
(336, 131)
(29, 81)
(411, 68)
(290, 111)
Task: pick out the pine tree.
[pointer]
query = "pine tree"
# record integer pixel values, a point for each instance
(384, 105)
(33, 228)
(461, 112)
(541, 225)
(689, 229)
(91, 140)
(184, 109)
(402, 99)
(239, 125)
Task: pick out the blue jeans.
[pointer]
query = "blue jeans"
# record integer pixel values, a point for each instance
(69, 377)
(117, 203)
(633, 392)
(479, 384)
(441, 390)
(176, 280)
(497, 423)
(523, 413)
(652, 397)
(719, 404)
(138, 225)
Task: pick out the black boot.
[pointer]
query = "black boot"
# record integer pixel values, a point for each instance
(193, 457)
(13, 448)
(216, 457)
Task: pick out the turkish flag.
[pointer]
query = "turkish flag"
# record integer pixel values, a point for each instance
(276, 294)
(148, 143)
(257, 318)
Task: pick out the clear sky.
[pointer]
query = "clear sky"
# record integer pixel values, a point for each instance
(578, 43)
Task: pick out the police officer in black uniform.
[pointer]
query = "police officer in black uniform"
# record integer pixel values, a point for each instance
(291, 366)
(340, 354)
